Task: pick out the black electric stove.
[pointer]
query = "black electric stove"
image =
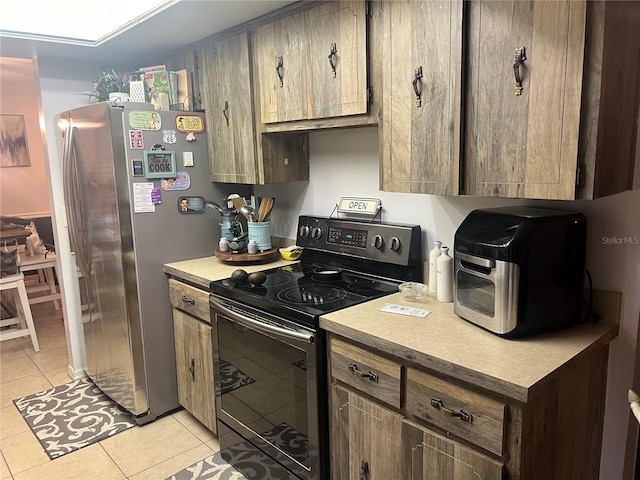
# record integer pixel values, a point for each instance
(344, 263)
(280, 412)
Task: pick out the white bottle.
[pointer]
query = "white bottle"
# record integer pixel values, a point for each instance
(444, 281)
(433, 257)
(223, 245)
(252, 248)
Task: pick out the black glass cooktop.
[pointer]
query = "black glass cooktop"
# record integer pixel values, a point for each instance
(300, 291)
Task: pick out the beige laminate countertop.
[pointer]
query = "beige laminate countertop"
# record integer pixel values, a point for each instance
(202, 271)
(448, 344)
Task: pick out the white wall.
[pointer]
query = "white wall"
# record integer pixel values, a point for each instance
(23, 190)
(59, 86)
(345, 163)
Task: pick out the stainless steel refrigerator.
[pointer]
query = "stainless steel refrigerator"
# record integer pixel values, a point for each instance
(124, 223)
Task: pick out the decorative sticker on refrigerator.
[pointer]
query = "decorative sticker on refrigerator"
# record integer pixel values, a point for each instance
(181, 181)
(169, 136)
(136, 142)
(190, 123)
(145, 120)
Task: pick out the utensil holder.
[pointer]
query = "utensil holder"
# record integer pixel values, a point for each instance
(261, 233)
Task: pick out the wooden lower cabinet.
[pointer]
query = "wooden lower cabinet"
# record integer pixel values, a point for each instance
(393, 419)
(194, 366)
(427, 455)
(371, 442)
(364, 438)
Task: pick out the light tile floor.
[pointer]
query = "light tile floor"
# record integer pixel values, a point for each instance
(153, 451)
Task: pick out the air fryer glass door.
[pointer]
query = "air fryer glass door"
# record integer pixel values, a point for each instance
(476, 293)
(486, 292)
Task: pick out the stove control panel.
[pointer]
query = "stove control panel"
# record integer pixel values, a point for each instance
(384, 242)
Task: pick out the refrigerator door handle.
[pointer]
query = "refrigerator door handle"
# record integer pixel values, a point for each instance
(71, 194)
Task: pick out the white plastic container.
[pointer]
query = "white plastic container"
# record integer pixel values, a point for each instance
(433, 257)
(444, 266)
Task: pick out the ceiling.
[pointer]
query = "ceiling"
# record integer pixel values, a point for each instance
(179, 25)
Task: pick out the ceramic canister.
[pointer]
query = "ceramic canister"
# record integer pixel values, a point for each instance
(261, 233)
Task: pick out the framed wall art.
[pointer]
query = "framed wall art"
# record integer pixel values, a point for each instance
(13, 141)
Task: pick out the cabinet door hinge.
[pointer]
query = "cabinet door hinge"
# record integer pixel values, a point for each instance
(580, 174)
(367, 9)
(369, 95)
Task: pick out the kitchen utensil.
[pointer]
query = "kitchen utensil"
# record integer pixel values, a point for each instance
(213, 205)
(229, 199)
(266, 204)
(248, 212)
(239, 202)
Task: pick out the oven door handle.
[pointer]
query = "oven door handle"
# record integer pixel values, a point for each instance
(263, 327)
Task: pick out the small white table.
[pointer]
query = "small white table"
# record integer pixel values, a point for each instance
(44, 265)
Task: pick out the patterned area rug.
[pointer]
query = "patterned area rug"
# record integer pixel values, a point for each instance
(72, 416)
(232, 377)
(245, 458)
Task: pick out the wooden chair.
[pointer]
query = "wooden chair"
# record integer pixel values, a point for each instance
(23, 320)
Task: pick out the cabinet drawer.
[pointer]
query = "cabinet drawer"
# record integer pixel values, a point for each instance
(465, 413)
(190, 299)
(366, 371)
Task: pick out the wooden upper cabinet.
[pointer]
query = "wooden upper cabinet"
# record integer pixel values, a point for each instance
(338, 59)
(524, 143)
(295, 59)
(548, 107)
(229, 110)
(238, 151)
(422, 89)
(280, 56)
(571, 132)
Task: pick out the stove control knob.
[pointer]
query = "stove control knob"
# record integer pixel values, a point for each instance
(304, 231)
(377, 242)
(316, 233)
(394, 243)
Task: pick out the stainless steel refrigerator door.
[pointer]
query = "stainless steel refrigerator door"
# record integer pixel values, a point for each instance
(102, 240)
(166, 236)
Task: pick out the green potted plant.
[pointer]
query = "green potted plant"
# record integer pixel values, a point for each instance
(109, 81)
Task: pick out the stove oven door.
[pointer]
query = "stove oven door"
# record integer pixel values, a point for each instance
(267, 374)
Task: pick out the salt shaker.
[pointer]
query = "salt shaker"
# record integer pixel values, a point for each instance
(223, 245)
(252, 247)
